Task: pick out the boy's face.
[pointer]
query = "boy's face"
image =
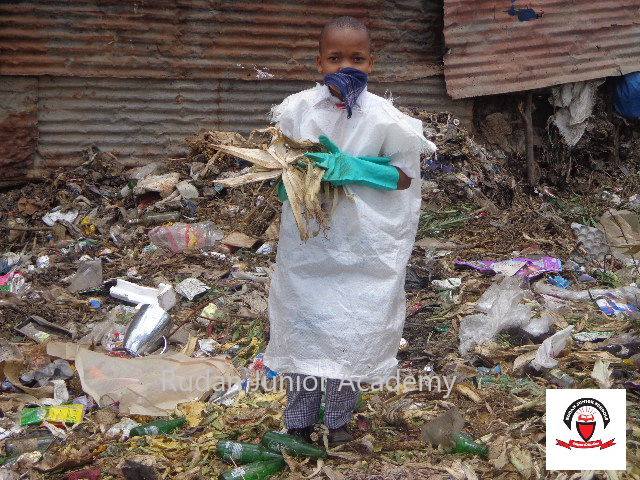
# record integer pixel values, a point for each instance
(343, 48)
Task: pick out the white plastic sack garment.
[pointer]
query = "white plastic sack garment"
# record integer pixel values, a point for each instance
(336, 302)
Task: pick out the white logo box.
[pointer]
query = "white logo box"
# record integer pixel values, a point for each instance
(586, 429)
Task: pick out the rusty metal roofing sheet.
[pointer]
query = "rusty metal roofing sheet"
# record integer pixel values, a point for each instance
(209, 39)
(144, 120)
(18, 126)
(512, 45)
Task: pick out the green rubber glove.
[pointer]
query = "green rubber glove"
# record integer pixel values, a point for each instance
(341, 168)
(282, 193)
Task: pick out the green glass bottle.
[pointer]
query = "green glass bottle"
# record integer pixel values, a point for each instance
(244, 452)
(157, 427)
(464, 444)
(294, 446)
(254, 471)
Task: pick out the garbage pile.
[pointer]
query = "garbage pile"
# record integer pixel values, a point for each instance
(133, 317)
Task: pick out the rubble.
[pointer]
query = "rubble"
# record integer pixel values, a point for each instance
(91, 274)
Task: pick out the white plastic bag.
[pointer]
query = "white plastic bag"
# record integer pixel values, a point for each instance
(502, 310)
(551, 348)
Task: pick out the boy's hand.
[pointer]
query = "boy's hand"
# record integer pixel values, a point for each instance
(342, 168)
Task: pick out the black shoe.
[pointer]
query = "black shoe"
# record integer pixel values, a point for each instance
(303, 433)
(341, 435)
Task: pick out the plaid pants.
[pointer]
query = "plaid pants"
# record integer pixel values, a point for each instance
(304, 394)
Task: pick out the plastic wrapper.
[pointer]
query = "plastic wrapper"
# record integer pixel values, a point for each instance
(551, 348)
(185, 236)
(614, 306)
(527, 267)
(60, 414)
(191, 288)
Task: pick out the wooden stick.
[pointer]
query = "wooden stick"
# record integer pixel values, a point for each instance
(25, 229)
(532, 165)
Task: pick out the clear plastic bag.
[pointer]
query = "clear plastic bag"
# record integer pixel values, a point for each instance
(502, 310)
(186, 236)
(89, 275)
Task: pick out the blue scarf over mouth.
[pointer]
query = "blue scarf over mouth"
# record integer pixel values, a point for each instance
(351, 82)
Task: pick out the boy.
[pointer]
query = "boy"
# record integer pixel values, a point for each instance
(336, 302)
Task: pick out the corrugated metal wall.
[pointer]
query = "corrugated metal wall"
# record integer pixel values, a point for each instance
(208, 39)
(514, 45)
(18, 126)
(137, 77)
(144, 120)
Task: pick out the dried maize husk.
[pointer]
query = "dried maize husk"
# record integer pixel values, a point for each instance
(284, 157)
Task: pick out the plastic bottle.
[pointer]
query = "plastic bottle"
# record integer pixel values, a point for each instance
(244, 452)
(157, 427)
(254, 471)
(464, 444)
(18, 446)
(292, 445)
(186, 236)
(157, 218)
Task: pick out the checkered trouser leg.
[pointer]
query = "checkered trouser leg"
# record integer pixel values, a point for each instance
(303, 400)
(339, 403)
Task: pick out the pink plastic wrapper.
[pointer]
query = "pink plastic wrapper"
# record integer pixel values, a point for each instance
(525, 266)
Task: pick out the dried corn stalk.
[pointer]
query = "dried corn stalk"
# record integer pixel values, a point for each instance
(284, 157)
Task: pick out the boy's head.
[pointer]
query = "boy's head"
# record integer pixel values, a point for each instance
(344, 42)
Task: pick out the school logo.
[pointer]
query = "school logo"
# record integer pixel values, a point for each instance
(586, 429)
(585, 408)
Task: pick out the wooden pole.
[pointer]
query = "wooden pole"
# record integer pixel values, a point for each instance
(532, 165)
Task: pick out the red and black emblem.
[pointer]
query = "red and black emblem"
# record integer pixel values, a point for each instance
(586, 423)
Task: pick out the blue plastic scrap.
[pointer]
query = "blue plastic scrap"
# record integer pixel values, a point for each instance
(626, 95)
(558, 281)
(523, 14)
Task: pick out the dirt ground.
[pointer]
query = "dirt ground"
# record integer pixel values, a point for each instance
(476, 206)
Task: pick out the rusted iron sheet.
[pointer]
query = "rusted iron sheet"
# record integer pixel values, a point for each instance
(512, 45)
(209, 39)
(18, 126)
(144, 120)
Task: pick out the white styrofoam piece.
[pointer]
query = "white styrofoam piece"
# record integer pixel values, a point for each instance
(163, 296)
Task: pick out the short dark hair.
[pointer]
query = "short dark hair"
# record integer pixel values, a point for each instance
(344, 23)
